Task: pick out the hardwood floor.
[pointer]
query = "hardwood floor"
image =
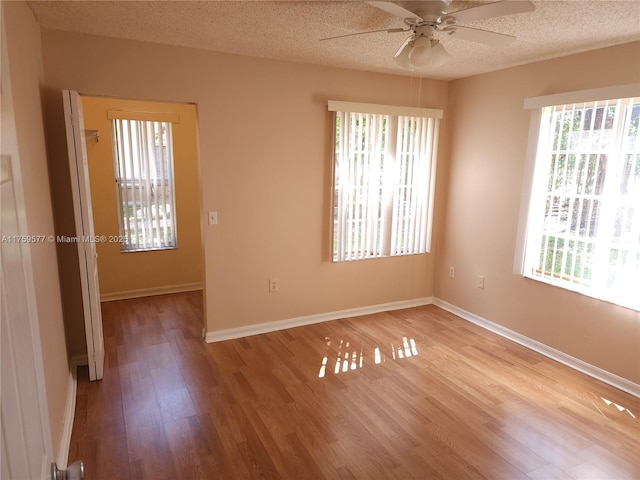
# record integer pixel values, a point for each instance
(415, 393)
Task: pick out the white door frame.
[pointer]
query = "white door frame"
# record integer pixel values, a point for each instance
(85, 234)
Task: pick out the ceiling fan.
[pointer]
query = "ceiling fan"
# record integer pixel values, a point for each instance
(424, 18)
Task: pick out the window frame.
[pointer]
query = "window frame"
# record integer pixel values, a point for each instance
(532, 209)
(429, 122)
(159, 120)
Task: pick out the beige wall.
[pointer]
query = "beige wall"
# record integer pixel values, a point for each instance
(488, 135)
(131, 273)
(265, 143)
(25, 65)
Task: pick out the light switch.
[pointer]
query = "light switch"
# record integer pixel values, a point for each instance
(213, 218)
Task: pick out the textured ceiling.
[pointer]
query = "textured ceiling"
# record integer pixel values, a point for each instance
(291, 30)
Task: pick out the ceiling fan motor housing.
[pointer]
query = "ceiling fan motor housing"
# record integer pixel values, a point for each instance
(429, 10)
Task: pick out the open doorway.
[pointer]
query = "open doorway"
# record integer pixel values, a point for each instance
(133, 204)
(137, 272)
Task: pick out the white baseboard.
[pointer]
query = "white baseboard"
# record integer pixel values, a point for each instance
(575, 363)
(149, 292)
(62, 457)
(79, 361)
(231, 333)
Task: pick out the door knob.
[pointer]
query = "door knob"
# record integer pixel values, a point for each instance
(75, 471)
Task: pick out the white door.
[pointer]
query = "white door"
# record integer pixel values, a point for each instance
(24, 420)
(83, 213)
(26, 437)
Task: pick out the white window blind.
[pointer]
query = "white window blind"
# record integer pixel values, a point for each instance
(583, 231)
(384, 182)
(143, 161)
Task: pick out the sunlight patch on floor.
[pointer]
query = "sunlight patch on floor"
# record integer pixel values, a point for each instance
(349, 357)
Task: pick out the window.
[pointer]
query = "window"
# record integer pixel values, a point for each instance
(143, 162)
(583, 230)
(384, 180)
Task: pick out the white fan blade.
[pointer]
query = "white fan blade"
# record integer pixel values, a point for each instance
(388, 30)
(485, 37)
(402, 55)
(396, 10)
(496, 9)
(403, 46)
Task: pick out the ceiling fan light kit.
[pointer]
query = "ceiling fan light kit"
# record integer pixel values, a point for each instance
(428, 17)
(422, 50)
(420, 53)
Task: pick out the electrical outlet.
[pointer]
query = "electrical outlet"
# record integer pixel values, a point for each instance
(274, 285)
(480, 281)
(452, 272)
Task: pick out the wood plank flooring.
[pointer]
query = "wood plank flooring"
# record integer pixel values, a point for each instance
(410, 394)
